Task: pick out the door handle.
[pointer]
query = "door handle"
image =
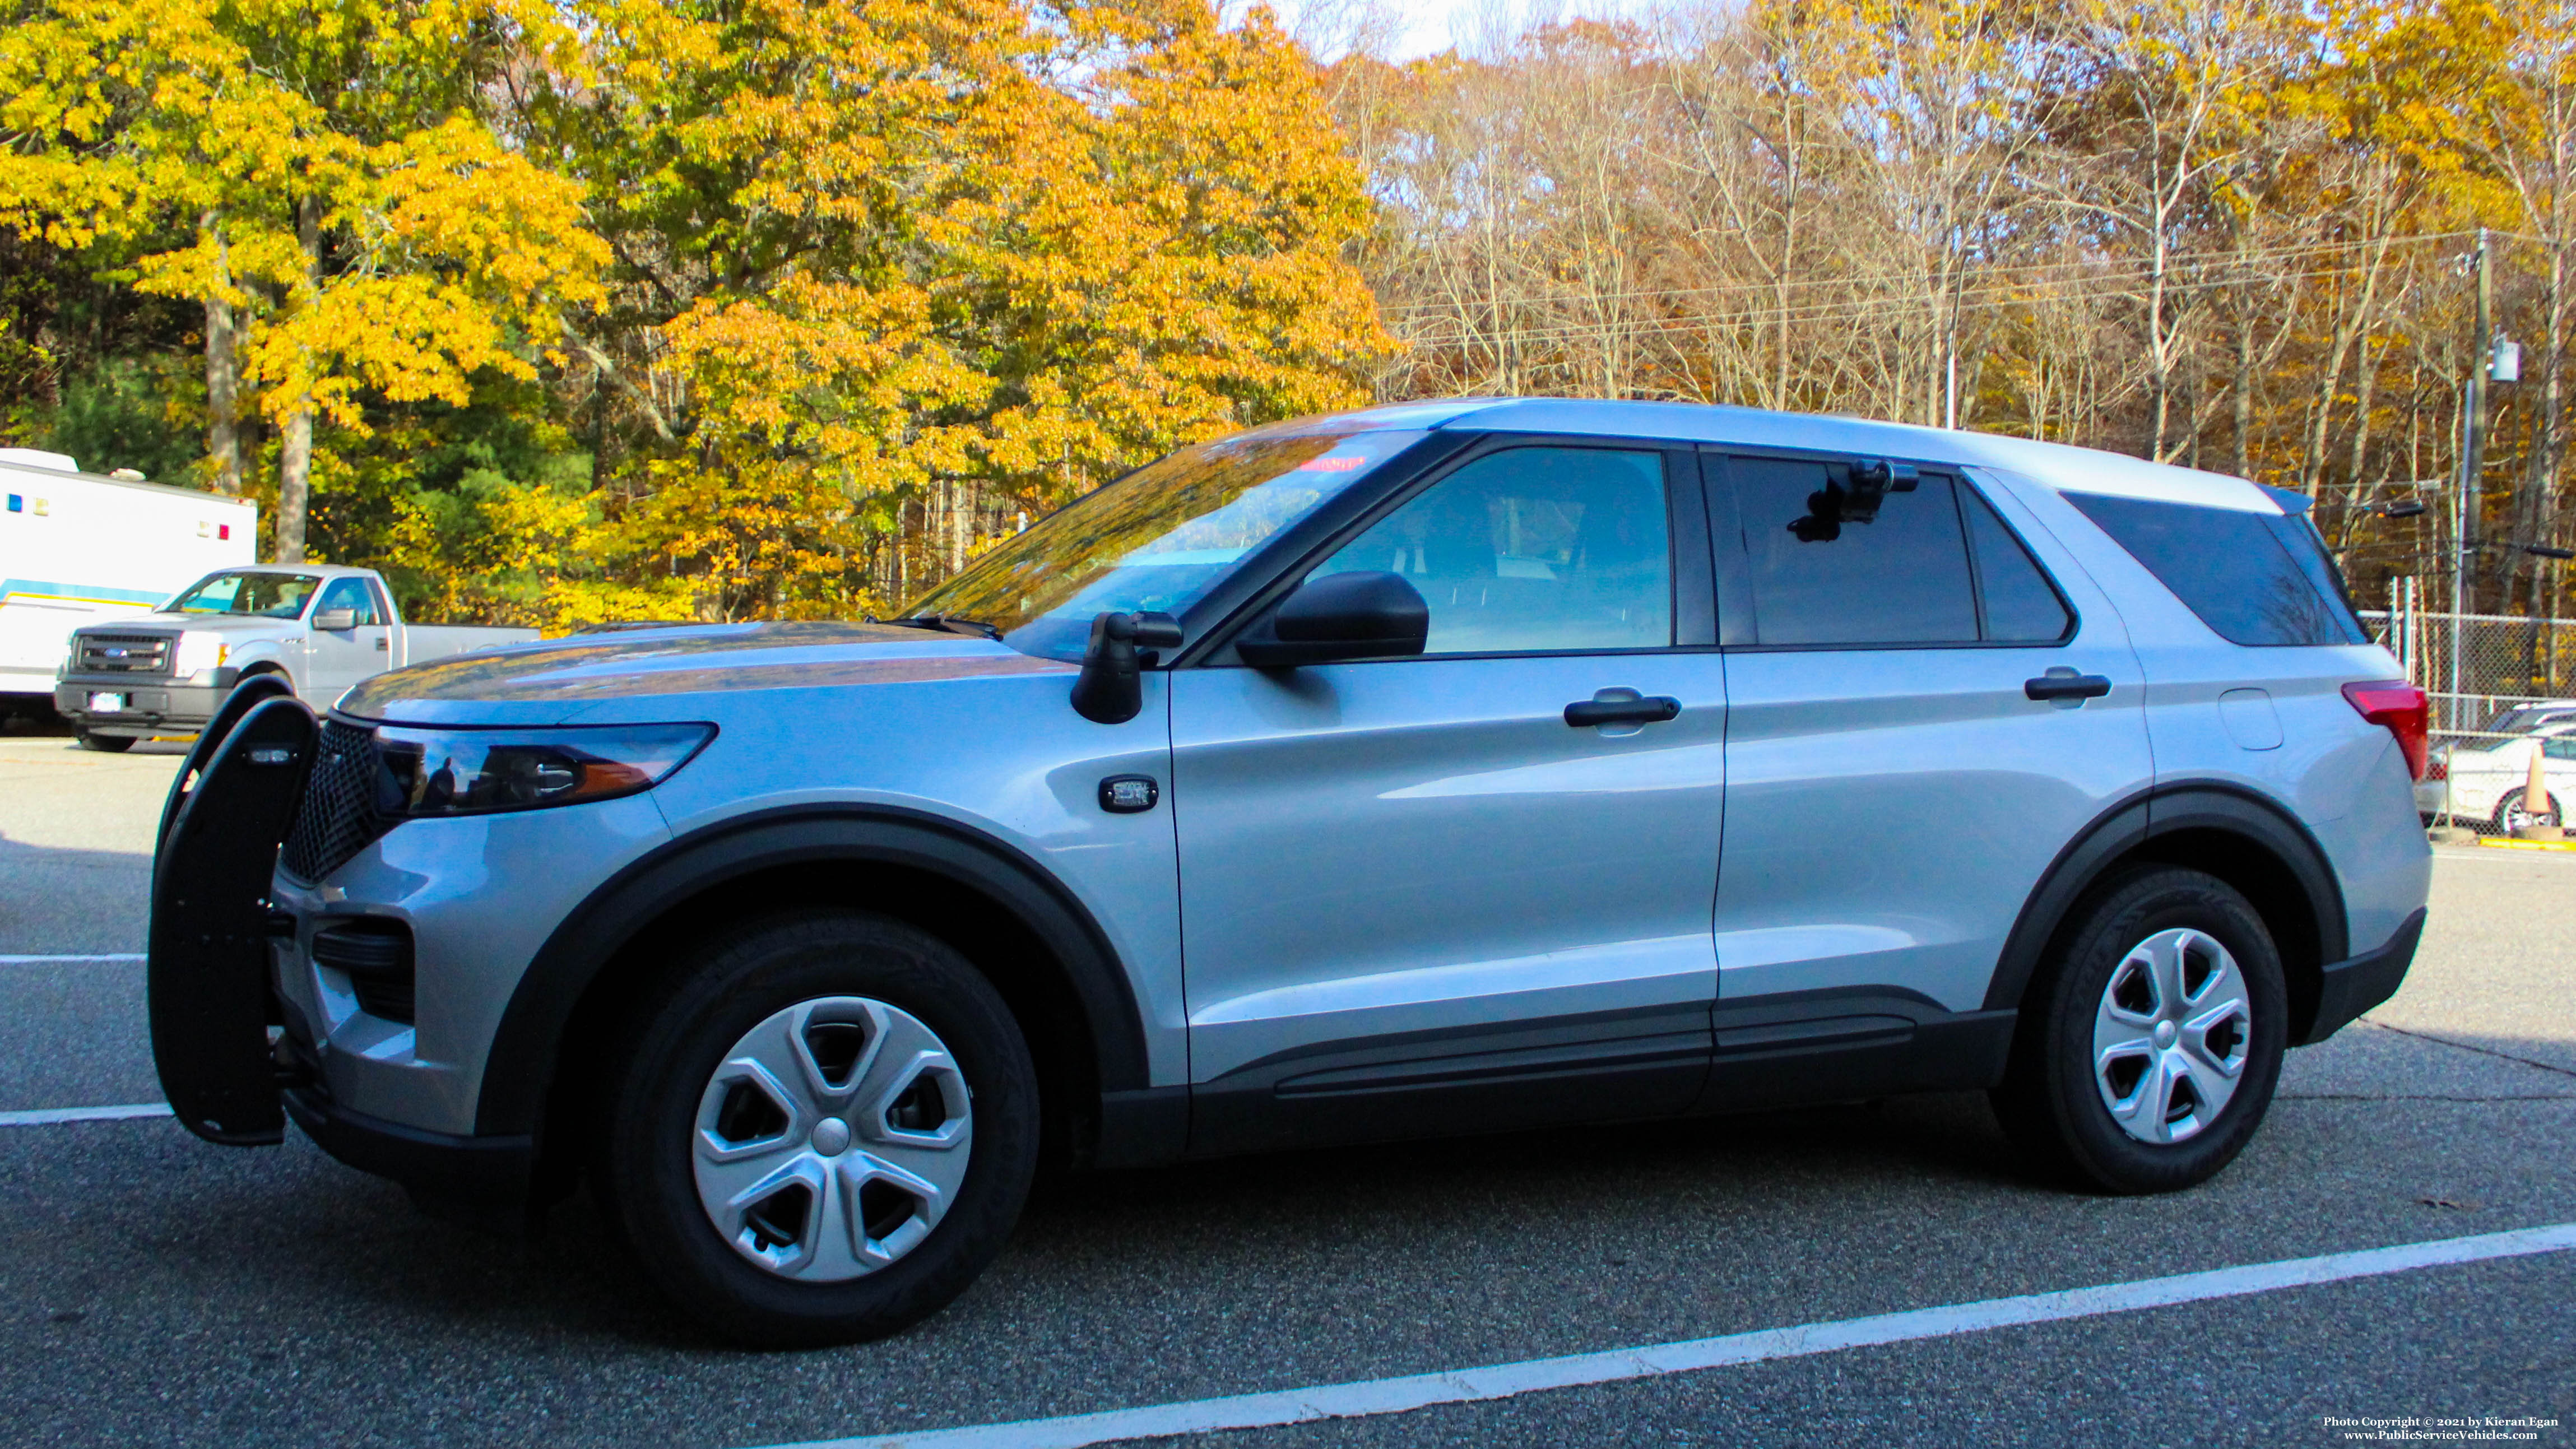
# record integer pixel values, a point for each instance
(384, 644)
(2064, 683)
(1653, 709)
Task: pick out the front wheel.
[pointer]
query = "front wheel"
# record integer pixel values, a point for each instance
(2147, 1053)
(824, 1131)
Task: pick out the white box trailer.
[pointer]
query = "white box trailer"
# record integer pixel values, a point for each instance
(77, 548)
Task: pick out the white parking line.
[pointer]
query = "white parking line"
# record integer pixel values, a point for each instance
(64, 960)
(1369, 1397)
(49, 1116)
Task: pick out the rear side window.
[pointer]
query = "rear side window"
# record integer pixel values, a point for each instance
(2253, 578)
(1901, 578)
(2021, 606)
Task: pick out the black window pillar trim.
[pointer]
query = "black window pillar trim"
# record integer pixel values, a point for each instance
(519, 1072)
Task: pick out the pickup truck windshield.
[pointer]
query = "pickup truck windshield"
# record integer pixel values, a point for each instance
(271, 596)
(1158, 538)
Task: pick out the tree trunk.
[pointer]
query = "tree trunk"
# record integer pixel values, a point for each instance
(2241, 392)
(295, 440)
(223, 377)
(294, 481)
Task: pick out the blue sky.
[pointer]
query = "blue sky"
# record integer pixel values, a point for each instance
(1426, 27)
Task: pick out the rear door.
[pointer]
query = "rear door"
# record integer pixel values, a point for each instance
(1414, 897)
(1894, 790)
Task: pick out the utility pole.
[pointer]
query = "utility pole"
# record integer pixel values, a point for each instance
(2473, 455)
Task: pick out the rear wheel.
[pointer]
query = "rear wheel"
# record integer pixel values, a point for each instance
(824, 1131)
(107, 744)
(2147, 1054)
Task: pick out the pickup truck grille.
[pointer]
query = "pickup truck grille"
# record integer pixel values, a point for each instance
(338, 818)
(124, 654)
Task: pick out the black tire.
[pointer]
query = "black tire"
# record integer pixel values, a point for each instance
(2502, 822)
(731, 985)
(106, 744)
(2049, 1101)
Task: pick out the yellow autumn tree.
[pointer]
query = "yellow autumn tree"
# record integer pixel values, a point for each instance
(944, 263)
(339, 201)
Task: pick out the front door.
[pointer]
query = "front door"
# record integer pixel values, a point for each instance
(1895, 790)
(1414, 897)
(338, 658)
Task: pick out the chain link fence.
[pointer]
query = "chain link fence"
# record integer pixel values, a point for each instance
(2485, 673)
(2477, 667)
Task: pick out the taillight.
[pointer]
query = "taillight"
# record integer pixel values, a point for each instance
(2406, 712)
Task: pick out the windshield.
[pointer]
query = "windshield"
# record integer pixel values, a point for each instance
(271, 596)
(1157, 539)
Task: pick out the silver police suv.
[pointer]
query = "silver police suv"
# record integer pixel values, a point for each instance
(1432, 769)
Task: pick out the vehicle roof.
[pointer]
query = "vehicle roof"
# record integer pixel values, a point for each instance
(317, 570)
(2060, 466)
(20, 474)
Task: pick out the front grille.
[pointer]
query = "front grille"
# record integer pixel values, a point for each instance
(124, 653)
(339, 816)
(376, 957)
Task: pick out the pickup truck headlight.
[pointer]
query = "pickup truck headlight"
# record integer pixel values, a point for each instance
(479, 772)
(199, 651)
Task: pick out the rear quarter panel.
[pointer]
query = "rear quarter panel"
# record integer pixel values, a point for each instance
(424, 642)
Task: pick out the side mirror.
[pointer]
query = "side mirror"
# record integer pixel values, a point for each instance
(1363, 615)
(1108, 690)
(335, 620)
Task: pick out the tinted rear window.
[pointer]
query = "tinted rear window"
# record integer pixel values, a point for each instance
(2253, 578)
(1901, 578)
(2021, 606)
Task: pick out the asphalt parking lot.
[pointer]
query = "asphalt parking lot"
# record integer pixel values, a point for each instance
(163, 1291)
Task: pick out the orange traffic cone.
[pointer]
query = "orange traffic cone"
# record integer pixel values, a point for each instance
(2536, 803)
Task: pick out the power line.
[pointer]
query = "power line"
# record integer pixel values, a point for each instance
(1984, 297)
(2090, 267)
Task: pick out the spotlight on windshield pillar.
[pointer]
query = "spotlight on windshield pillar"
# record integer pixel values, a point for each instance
(2402, 508)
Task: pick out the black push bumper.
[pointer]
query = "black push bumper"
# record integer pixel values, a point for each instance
(475, 1171)
(207, 979)
(2352, 987)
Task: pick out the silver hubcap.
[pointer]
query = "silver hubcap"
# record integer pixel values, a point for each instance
(832, 1139)
(2171, 1036)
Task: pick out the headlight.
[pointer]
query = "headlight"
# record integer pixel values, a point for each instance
(477, 772)
(198, 651)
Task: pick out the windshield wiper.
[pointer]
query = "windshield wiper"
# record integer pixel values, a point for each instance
(945, 624)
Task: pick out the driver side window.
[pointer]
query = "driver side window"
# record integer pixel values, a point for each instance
(351, 594)
(1534, 549)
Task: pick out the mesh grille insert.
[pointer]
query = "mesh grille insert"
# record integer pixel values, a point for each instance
(338, 818)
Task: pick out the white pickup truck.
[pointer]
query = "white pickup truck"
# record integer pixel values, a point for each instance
(323, 628)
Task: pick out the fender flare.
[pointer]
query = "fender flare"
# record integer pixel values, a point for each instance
(2138, 820)
(520, 1068)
